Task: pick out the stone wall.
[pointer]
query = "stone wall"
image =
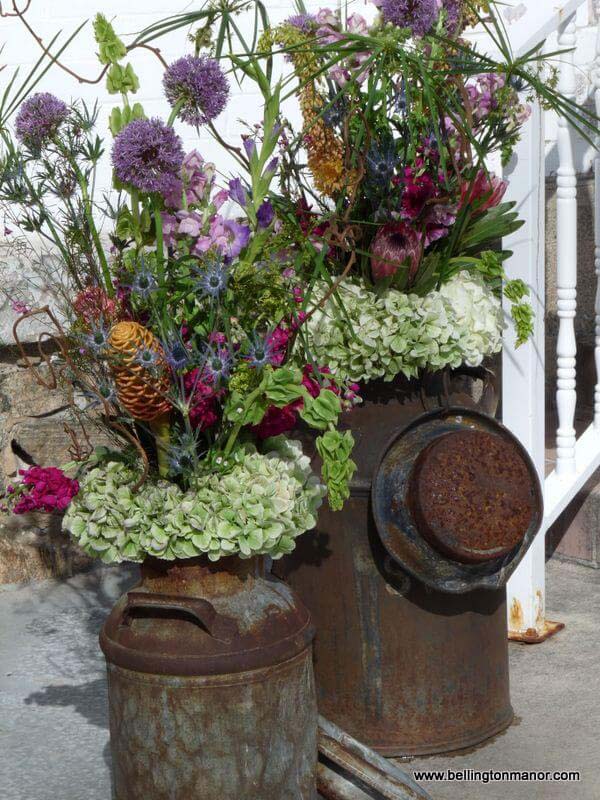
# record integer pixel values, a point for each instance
(32, 545)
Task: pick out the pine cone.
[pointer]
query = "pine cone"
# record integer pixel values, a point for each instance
(141, 390)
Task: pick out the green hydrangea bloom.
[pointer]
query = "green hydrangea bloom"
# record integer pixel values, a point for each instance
(258, 508)
(375, 336)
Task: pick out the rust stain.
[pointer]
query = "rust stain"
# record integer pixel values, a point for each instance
(516, 619)
(540, 610)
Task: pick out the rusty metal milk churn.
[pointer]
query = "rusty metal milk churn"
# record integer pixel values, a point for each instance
(406, 585)
(211, 687)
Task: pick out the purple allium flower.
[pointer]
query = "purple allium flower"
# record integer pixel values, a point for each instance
(39, 118)
(417, 15)
(265, 214)
(148, 155)
(304, 22)
(200, 84)
(453, 9)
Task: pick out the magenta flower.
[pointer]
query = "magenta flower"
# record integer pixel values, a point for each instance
(203, 401)
(199, 84)
(48, 490)
(419, 188)
(39, 119)
(278, 343)
(148, 155)
(395, 244)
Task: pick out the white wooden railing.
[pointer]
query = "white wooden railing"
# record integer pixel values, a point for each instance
(524, 407)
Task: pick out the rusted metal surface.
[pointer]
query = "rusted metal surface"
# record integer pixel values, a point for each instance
(470, 495)
(364, 767)
(530, 635)
(403, 667)
(211, 687)
(433, 523)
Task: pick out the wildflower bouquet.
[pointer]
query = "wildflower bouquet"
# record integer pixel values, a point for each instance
(176, 327)
(389, 182)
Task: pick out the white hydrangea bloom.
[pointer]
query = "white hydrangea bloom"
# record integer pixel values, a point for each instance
(260, 507)
(383, 336)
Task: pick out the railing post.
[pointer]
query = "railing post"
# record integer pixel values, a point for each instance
(596, 88)
(566, 270)
(523, 369)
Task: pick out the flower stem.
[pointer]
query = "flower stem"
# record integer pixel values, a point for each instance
(161, 430)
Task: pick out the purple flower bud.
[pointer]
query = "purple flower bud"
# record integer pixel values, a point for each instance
(265, 214)
(238, 193)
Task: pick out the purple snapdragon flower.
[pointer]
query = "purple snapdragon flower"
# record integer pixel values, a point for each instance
(39, 119)
(227, 236)
(238, 192)
(200, 85)
(265, 214)
(148, 155)
(419, 16)
(197, 180)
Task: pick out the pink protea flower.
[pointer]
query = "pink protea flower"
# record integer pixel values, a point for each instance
(394, 245)
(487, 191)
(92, 304)
(47, 489)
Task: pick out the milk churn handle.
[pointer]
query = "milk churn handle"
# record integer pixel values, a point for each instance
(219, 627)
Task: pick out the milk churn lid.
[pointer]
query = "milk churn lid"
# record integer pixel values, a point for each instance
(175, 624)
(457, 500)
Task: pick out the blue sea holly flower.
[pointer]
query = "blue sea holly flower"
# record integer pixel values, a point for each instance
(143, 283)
(147, 357)
(218, 363)
(97, 339)
(260, 353)
(183, 456)
(212, 279)
(381, 162)
(177, 354)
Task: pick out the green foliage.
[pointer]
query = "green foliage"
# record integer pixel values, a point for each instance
(338, 468)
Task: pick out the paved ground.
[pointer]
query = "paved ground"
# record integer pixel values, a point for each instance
(53, 726)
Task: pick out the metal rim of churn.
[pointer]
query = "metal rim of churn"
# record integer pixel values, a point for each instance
(457, 500)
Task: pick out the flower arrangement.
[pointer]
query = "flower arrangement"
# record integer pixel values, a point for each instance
(179, 332)
(200, 319)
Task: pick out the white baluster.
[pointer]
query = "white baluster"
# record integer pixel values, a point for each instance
(566, 232)
(596, 88)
